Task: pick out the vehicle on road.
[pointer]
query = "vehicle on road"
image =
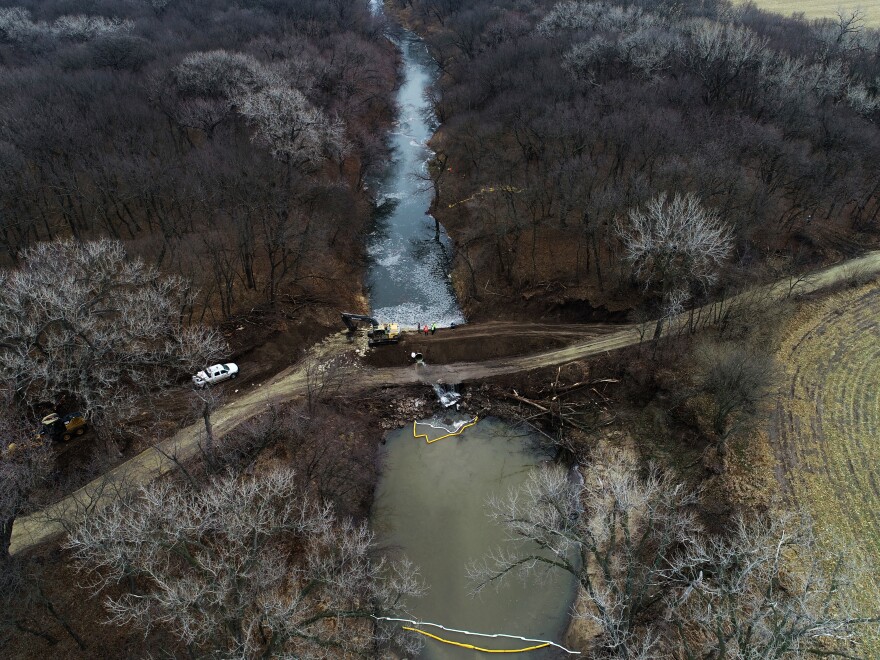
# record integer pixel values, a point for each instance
(215, 374)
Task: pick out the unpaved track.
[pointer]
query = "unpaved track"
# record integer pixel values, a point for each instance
(292, 383)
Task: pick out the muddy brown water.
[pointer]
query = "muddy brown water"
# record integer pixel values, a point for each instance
(430, 505)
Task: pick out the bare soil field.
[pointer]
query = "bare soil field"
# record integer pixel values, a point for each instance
(823, 8)
(825, 427)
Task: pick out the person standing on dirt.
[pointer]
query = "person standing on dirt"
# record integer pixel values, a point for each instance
(433, 328)
(426, 329)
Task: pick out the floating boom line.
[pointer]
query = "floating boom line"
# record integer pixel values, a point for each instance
(541, 643)
(476, 648)
(458, 431)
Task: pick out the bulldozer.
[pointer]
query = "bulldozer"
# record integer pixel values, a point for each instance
(57, 428)
(378, 334)
(53, 428)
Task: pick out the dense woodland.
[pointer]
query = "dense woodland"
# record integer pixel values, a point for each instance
(560, 118)
(223, 141)
(166, 165)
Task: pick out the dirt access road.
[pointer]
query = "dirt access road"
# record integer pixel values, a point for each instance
(353, 374)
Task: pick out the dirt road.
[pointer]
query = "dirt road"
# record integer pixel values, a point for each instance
(294, 382)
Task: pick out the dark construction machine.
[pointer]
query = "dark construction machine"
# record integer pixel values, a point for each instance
(379, 333)
(61, 429)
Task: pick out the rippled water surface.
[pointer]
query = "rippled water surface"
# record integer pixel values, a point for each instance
(409, 261)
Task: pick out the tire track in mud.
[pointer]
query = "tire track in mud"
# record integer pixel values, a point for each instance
(293, 382)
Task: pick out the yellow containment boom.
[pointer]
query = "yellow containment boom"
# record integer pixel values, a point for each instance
(415, 626)
(476, 648)
(458, 431)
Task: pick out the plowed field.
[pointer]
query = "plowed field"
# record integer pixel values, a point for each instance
(826, 429)
(822, 8)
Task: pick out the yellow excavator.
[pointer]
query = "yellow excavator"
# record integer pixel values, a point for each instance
(379, 333)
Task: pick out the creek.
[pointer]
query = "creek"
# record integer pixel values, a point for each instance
(430, 503)
(409, 254)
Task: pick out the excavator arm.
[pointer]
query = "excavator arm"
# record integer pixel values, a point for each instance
(351, 320)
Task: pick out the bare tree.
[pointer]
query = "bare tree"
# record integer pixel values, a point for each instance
(655, 584)
(615, 533)
(764, 591)
(83, 324)
(221, 74)
(722, 53)
(845, 34)
(17, 26)
(325, 377)
(24, 463)
(675, 240)
(202, 91)
(596, 16)
(25, 603)
(642, 41)
(205, 401)
(246, 567)
(296, 131)
(673, 245)
(158, 6)
(23, 467)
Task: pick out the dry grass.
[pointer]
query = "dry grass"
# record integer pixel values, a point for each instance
(827, 424)
(823, 8)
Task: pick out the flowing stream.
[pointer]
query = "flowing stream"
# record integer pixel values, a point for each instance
(408, 275)
(430, 503)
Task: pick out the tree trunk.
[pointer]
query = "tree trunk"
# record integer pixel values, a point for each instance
(62, 620)
(6, 539)
(209, 430)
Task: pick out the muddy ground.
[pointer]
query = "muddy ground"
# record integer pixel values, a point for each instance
(485, 341)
